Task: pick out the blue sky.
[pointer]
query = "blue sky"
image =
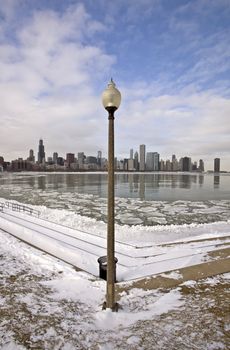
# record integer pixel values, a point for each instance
(170, 60)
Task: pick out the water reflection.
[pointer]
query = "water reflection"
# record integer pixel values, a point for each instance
(216, 181)
(201, 180)
(143, 186)
(41, 183)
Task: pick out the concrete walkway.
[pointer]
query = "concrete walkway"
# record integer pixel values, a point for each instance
(219, 265)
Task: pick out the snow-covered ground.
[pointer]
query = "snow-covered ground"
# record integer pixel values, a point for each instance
(141, 251)
(46, 304)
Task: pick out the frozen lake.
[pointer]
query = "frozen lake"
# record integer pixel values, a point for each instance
(141, 198)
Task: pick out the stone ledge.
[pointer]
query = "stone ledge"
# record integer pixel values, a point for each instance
(220, 265)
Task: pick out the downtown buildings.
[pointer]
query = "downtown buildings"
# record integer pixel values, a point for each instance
(138, 161)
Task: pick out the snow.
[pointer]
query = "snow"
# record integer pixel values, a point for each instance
(12, 346)
(71, 286)
(82, 248)
(141, 250)
(74, 299)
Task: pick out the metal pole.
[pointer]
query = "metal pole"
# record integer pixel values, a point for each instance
(110, 296)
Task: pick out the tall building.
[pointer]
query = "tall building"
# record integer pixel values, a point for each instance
(162, 165)
(55, 157)
(81, 159)
(201, 165)
(175, 164)
(31, 157)
(152, 161)
(131, 164)
(217, 165)
(142, 158)
(136, 162)
(131, 154)
(99, 156)
(149, 161)
(156, 161)
(41, 152)
(168, 165)
(186, 164)
(70, 158)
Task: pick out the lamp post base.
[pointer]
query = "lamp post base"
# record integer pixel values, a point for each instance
(115, 307)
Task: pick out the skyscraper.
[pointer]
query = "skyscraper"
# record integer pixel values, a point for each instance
(175, 164)
(201, 165)
(131, 154)
(217, 165)
(150, 161)
(156, 161)
(70, 158)
(136, 163)
(81, 159)
(55, 157)
(31, 157)
(99, 156)
(41, 152)
(186, 164)
(142, 157)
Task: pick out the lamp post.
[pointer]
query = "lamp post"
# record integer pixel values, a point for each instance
(111, 99)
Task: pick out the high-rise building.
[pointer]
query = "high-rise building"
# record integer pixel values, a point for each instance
(162, 165)
(131, 154)
(41, 152)
(136, 162)
(186, 164)
(175, 164)
(131, 164)
(99, 156)
(217, 165)
(55, 157)
(60, 161)
(81, 159)
(156, 161)
(70, 158)
(31, 157)
(201, 165)
(149, 161)
(168, 165)
(152, 161)
(142, 158)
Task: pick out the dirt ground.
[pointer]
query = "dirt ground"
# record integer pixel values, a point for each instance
(31, 319)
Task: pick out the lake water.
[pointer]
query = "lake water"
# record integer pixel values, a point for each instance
(141, 198)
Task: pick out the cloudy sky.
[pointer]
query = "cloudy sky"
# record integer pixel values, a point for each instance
(169, 58)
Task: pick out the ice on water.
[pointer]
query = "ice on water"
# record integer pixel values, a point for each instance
(43, 189)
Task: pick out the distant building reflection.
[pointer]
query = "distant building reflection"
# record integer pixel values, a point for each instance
(146, 184)
(41, 182)
(216, 181)
(184, 181)
(201, 180)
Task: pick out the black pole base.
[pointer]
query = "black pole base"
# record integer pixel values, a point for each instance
(114, 308)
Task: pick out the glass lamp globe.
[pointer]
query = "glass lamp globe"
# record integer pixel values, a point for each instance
(111, 97)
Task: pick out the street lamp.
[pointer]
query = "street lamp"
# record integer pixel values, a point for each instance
(111, 99)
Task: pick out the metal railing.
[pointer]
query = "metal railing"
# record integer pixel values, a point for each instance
(21, 208)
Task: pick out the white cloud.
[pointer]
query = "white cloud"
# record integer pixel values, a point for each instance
(185, 124)
(46, 88)
(51, 65)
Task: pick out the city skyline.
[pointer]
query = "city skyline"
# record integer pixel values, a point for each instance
(144, 160)
(170, 60)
